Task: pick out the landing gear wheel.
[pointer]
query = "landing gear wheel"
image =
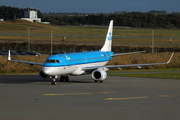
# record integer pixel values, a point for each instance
(101, 81)
(53, 83)
(67, 78)
(95, 80)
(62, 78)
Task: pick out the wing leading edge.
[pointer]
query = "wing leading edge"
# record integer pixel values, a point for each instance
(121, 66)
(127, 53)
(30, 63)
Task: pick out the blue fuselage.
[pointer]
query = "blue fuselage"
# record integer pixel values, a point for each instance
(73, 63)
(77, 58)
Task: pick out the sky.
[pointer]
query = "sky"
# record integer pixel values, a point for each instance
(95, 6)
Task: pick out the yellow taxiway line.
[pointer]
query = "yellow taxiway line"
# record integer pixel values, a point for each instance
(66, 94)
(126, 98)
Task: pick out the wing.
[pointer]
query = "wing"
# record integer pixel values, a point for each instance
(30, 63)
(121, 66)
(127, 53)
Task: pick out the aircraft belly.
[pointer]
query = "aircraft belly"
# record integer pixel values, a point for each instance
(74, 69)
(80, 71)
(64, 70)
(59, 70)
(96, 64)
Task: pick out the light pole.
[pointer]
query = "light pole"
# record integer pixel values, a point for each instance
(51, 40)
(152, 41)
(28, 39)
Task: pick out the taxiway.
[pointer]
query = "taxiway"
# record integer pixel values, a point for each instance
(27, 97)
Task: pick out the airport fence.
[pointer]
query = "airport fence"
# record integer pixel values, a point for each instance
(45, 48)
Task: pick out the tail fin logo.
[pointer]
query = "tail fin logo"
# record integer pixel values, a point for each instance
(110, 37)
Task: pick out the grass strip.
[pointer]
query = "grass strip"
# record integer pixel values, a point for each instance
(151, 75)
(168, 73)
(145, 70)
(36, 73)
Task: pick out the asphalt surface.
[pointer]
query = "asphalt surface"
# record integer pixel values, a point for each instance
(27, 97)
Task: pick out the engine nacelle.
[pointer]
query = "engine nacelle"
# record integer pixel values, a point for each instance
(99, 75)
(43, 76)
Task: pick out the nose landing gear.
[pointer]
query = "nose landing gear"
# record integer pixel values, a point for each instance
(62, 79)
(53, 80)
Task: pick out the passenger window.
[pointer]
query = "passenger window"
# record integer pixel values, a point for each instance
(51, 61)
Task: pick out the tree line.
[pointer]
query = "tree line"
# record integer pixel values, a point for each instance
(130, 19)
(151, 19)
(12, 13)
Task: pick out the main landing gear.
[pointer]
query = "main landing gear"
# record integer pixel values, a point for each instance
(101, 81)
(62, 79)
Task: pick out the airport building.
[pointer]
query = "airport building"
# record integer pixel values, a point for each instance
(31, 15)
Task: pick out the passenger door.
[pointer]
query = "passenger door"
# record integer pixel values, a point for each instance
(64, 61)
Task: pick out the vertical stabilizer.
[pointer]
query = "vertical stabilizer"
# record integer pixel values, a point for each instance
(108, 41)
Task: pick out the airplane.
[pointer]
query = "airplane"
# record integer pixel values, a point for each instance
(82, 63)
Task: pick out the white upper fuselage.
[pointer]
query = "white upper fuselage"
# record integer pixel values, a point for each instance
(73, 63)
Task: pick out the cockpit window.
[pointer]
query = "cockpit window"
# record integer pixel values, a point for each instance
(52, 61)
(57, 61)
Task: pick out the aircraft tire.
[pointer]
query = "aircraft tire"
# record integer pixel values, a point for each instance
(101, 81)
(62, 78)
(53, 83)
(66, 78)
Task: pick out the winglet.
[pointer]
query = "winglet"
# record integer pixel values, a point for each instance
(9, 55)
(170, 58)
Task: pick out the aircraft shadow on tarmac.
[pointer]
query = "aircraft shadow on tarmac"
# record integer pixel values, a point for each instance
(25, 79)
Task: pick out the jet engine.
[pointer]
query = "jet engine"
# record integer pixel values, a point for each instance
(99, 75)
(43, 76)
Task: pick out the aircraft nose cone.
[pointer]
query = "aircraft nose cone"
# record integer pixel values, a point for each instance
(47, 70)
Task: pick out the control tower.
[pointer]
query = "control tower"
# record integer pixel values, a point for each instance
(31, 15)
